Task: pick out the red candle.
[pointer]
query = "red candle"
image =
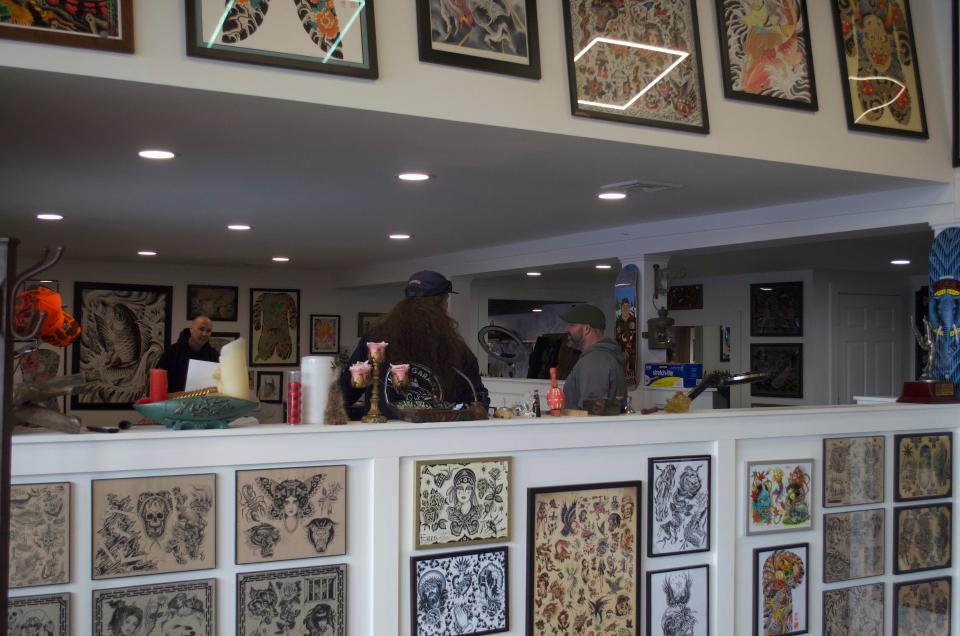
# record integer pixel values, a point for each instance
(158, 385)
(294, 397)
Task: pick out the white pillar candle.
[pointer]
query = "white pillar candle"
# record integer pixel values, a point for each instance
(318, 374)
(233, 370)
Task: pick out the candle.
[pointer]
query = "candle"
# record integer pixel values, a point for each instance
(376, 350)
(399, 373)
(359, 374)
(158, 385)
(233, 370)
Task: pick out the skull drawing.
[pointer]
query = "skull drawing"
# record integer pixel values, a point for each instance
(154, 509)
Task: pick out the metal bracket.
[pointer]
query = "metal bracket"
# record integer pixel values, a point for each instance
(46, 261)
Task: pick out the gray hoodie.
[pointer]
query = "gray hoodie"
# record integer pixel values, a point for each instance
(598, 371)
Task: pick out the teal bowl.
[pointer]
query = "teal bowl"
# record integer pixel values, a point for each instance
(208, 411)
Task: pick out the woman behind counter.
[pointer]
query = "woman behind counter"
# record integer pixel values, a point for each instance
(418, 329)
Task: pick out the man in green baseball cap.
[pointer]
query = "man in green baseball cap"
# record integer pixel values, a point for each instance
(599, 370)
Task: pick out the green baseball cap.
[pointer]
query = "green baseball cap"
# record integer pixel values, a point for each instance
(586, 315)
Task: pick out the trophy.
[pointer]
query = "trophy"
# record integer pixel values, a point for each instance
(927, 389)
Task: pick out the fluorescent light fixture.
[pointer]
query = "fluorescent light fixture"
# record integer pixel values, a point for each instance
(413, 176)
(537, 310)
(533, 274)
(399, 237)
(46, 281)
(238, 227)
(900, 261)
(49, 216)
(156, 154)
(875, 78)
(602, 266)
(766, 289)
(147, 253)
(612, 196)
(280, 259)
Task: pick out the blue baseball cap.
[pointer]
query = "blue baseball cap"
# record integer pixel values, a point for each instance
(428, 283)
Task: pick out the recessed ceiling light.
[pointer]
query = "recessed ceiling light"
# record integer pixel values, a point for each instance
(147, 253)
(900, 261)
(280, 259)
(49, 216)
(601, 266)
(46, 281)
(156, 154)
(612, 196)
(399, 237)
(766, 289)
(537, 310)
(533, 273)
(238, 227)
(413, 176)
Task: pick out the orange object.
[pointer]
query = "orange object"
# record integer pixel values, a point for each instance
(59, 328)
(555, 397)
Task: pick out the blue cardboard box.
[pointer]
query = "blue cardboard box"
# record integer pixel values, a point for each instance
(680, 376)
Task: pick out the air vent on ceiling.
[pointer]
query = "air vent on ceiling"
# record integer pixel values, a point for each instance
(642, 186)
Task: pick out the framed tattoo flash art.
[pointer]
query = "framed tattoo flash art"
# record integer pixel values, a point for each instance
(853, 545)
(216, 302)
(854, 611)
(923, 466)
(685, 297)
(678, 507)
(183, 607)
(365, 320)
(776, 309)
(124, 330)
(39, 534)
(878, 67)
(220, 338)
(765, 50)
(305, 601)
(923, 608)
(678, 602)
(853, 469)
(274, 327)
(636, 62)
(324, 334)
(781, 590)
(270, 387)
(460, 593)
(783, 363)
(291, 513)
(323, 37)
(105, 26)
(595, 527)
(462, 501)
(496, 36)
(44, 615)
(153, 525)
(779, 498)
(922, 537)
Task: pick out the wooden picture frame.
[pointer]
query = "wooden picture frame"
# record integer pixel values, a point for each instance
(779, 496)
(776, 310)
(893, 107)
(674, 64)
(55, 25)
(853, 545)
(619, 499)
(31, 614)
(682, 297)
(320, 598)
(270, 387)
(274, 327)
(780, 574)
(923, 466)
(922, 537)
(680, 598)
(679, 505)
(920, 603)
(324, 333)
(180, 607)
(853, 470)
(754, 56)
(784, 363)
(485, 590)
(220, 338)
(216, 302)
(445, 36)
(365, 320)
(854, 611)
(319, 40)
(44, 555)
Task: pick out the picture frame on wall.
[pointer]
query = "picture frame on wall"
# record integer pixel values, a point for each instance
(853, 545)
(49, 612)
(678, 601)
(270, 387)
(216, 302)
(776, 310)
(505, 42)
(922, 538)
(180, 607)
(274, 327)
(853, 470)
(220, 338)
(764, 64)
(680, 297)
(781, 589)
(923, 466)
(678, 508)
(616, 56)
(879, 67)
(467, 591)
(923, 608)
(316, 596)
(43, 552)
(956, 83)
(783, 362)
(317, 37)
(365, 320)
(85, 27)
(779, 496)
(854, 611)
(324, 333)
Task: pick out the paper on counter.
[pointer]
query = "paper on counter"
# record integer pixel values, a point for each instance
(200, 375)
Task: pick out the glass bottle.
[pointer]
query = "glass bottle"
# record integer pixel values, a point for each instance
(555, 398)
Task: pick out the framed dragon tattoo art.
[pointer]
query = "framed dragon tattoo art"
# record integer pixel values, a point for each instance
(678, 507)
(678, 602)
(183, 607)
(274, 327)
(39, 534)
(781, 590)
(305, 601)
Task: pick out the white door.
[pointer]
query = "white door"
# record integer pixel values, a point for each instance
(868, 346)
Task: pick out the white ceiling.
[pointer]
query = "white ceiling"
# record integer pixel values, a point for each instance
(317, 183)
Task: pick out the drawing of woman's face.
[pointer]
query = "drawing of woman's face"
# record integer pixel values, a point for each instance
(291, 506)
(464, 491)
(130, 625)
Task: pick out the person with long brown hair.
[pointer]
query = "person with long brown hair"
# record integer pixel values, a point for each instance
(418, 329)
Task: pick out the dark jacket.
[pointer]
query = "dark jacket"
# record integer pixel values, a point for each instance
(598, 371)
(462, 392)
(177, 357)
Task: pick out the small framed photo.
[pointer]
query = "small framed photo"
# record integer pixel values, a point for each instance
(40, 530)
(462, 501)
(685, 297)
(853, 545)
(776, 309)
(103, 26)
(43, 615)
(779, 497)
(781, 590)
(853, 470)
(365, 320)
(678, 508)
(783, 363)
(922, 537)
(274, 327)
(291, 513)
(923, 608)
(216, 302)
(305, 601)
(324, 334)
(182, 607)
(923, 466)
(678, 602)
(460, 593)
(220, 338)
(270, 386)
(854, 611)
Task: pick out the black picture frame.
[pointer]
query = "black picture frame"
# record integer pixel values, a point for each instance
(848, 75)
(760, 361)
(610, 112)
(704, 621)
(197, 46)
(898, 474)
(803, 38)
(414, 597)
(365, 319)
(829, 496)
(291, 320)
(900, 511)
(220, 338)
(195, 298)
(668, 490)
(451, 55)
(852, 623)
(278, 378)
(335, 349)
(757, 627)
(776, 310)
(681, 297)
(948, 598)
(956, 83)
(207, 588)
(85, 37)
(830, 573)
(332, 578)
(57, 606)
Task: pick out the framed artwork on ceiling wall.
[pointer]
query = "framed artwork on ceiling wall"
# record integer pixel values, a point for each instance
(274, 327)
(637, 62)
(763, 63)
(879, 67)
(500, 37)
(103, 25)
(324, 37)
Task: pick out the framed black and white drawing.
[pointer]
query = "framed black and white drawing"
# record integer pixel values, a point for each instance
(853, 469)
(43, 615)
(923, 608)
(853, 545)
(182, 607)
(781, 590)
(124, 330)
(304, 601)
(274, 327)
(854, 611)
(678, 601)
(460, 593)
(783, 362)
(922, 538)
(678, 509)
(216, 302)
(270, 387)
(39, 534)
(923, 466)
